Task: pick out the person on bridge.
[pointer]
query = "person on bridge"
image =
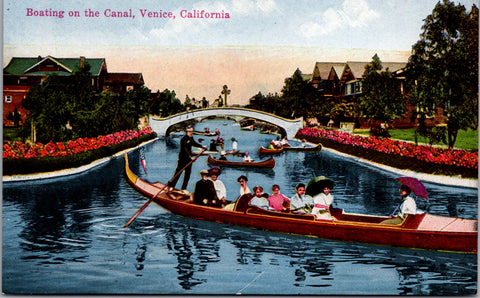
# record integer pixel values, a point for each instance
(184, 157)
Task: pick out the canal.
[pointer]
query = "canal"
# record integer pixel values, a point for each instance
(65, 235)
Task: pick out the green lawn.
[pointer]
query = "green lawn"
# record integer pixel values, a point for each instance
(467, 140)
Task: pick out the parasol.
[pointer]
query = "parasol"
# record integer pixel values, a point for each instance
(416, 186)
(317, 184)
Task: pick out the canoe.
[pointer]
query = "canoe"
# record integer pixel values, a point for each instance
(421, 231)
(265, 151)
(268, 163)
(208, 152)
(203, 133)
(316, 148)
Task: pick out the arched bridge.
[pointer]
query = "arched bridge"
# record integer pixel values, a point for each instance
(161, 125)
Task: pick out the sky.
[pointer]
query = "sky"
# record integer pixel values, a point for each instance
(260, 43)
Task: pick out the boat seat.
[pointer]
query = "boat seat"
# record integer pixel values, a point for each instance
(242, 203)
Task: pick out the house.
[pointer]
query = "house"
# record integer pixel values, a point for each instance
(123, 82)
(22, 72)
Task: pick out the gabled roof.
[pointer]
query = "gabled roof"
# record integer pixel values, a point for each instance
(27, 66)
(322, 69)
(358, 68)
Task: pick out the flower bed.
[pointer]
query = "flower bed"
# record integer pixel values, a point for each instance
(398, 154)
(24, 158)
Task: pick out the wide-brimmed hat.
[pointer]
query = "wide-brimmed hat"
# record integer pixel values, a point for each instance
(204, 172)
(214, 171)
(317, 184)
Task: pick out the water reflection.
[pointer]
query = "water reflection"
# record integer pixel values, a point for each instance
(315, 262)
(56, 214)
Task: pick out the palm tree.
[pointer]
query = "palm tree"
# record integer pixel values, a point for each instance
(225, 92)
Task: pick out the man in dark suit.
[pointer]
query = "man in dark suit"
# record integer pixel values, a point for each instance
(205, 193)
(184, 157)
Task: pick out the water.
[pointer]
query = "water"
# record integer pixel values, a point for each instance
(65, 235)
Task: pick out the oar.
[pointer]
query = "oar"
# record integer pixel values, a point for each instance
(161, 190)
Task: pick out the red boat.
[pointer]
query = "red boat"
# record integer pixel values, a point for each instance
(264, 151)
(421, 231)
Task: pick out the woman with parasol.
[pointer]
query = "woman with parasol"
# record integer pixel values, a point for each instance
(319, 188)
(408, 205)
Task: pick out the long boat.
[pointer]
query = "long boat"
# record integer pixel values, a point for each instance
(267, 151)
(306, 148)
(268, 163)
(421, 231)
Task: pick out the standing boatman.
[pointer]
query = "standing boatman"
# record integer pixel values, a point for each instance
(184, 157)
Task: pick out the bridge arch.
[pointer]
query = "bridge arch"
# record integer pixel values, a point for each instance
(161, 125)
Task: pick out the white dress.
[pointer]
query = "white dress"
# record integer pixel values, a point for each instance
(408, 207)
(220, 188)
(322, 203)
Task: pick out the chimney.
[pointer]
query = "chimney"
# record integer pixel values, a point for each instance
(82, 62)
(39, 58)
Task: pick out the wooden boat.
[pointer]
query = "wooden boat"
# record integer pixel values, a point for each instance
(316, 148)
(208, 152)
(204, 133)
(265, 151)
(421, 231)
(268, 163)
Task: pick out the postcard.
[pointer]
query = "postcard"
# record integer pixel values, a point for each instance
(240, 147)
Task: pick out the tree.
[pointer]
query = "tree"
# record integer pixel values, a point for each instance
(165, 103)
(225, 92)
(381, 98)
(443, 68)
(299, 97)
(62, 108)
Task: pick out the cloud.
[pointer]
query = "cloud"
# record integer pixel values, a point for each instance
(353, 13)
(248, 7)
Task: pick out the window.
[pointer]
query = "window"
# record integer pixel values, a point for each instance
(8, 98)
(349, 89)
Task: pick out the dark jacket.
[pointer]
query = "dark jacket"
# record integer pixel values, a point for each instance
(186, 144)
(205, 189)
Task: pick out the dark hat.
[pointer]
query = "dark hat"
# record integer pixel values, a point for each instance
(317, 184)
(214, 171)
(242, 177)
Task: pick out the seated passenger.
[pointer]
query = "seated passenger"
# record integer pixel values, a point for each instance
(277, 201)
(205, 193)
(408, 206)
(260, 199)
(322, 203)
(247, 158)
(218, 184)
(213, 145)
(301, 202)
(223, 155)
(242, 180)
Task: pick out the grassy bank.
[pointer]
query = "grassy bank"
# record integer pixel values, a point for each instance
(466, 140)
